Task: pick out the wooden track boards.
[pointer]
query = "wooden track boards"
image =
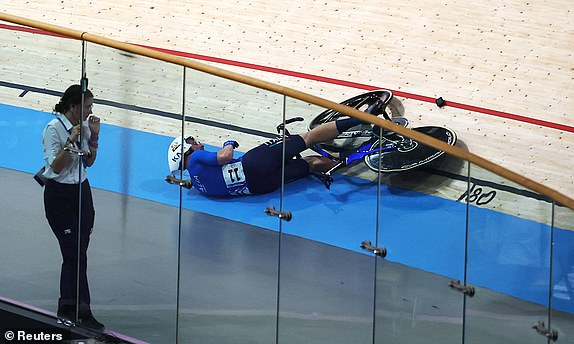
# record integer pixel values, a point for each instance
(512, 57)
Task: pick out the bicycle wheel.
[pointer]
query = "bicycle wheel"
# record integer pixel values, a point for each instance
(361, 102)
(408, 154)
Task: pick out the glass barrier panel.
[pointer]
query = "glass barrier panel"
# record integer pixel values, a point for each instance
(36, 69)
(562, 302)
(422, 226)
(326, 280)
(133, 256)
(509, 244)
(229, 246)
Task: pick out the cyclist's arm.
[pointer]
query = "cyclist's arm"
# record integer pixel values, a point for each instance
(221, 157)
(225, 155)
(203, 157)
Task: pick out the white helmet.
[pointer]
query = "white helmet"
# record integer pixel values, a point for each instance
(174, 153)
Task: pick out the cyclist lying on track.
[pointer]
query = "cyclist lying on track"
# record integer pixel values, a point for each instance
(258, 171)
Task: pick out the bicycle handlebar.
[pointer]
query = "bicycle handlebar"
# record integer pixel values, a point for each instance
(294, 119)
(281, 126)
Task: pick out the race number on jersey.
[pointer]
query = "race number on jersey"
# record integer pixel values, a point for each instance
(235, 178)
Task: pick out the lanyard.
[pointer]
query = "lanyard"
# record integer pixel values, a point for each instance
(75, 143)
(63, 125)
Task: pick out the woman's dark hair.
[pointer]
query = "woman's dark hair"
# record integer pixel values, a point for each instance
(72, 96)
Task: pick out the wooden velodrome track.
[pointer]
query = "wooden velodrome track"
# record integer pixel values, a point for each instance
(504, 68)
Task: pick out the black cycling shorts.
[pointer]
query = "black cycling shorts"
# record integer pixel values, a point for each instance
(262, 164)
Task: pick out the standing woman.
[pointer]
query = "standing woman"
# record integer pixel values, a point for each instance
(61, 197)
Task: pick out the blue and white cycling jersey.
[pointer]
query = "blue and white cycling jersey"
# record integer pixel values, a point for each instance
(210, 178)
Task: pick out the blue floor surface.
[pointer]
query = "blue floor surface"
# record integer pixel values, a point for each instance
(418, 230)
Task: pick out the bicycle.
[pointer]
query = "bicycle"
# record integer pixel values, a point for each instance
(380, 149)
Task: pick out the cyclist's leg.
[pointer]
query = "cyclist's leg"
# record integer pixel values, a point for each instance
(328, 131)
(263, 164)
(296, 168)
(319, 163)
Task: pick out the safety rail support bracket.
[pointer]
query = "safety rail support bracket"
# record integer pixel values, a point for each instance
(76, 151)
(548, 333)
(285, 215)
(456, 285)
(379, 251)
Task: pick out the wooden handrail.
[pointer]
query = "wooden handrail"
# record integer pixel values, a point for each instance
(422, 138)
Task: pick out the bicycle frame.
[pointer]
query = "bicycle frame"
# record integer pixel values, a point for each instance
(354, 156)
(350, 157)
(383, 150)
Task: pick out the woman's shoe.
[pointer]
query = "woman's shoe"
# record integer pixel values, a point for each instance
(66, 315)
(88, 320)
